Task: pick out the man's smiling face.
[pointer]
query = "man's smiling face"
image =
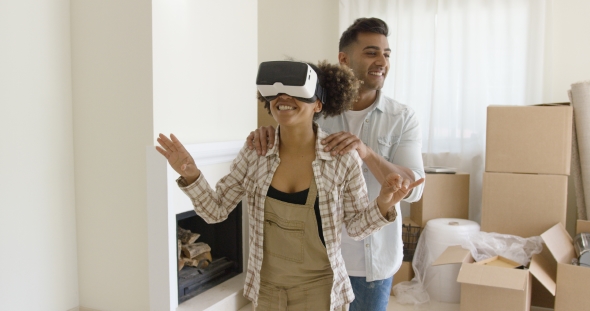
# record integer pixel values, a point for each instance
(368, 57)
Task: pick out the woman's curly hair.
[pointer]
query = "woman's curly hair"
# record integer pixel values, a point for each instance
(340, 85)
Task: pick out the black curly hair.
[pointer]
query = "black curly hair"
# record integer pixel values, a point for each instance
(340, 85)
(371, 25)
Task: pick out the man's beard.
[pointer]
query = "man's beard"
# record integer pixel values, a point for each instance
(371, 86)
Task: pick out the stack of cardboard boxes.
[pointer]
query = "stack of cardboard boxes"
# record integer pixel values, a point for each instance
(528, 151)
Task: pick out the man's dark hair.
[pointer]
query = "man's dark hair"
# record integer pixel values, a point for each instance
(373, 25)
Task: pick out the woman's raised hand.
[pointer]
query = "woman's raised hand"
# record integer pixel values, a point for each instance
(178, 158)
(393, 190)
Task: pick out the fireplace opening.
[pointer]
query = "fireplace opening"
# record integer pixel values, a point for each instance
(225, 261)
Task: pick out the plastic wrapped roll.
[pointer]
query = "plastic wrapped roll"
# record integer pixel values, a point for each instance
(441, 281)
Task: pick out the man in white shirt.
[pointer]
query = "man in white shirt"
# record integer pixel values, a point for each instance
(387, 136)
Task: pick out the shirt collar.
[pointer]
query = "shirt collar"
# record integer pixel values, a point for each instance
(380, 103)
(319, 148)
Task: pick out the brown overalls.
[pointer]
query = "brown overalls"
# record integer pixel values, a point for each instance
(296, 273)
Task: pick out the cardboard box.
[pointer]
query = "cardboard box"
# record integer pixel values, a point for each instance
(523, 204)
(529, 139)
(541, 297)
(554, 270)
(583, 226)
(444, 196)
(499, 261)
(486, 286)
(404, 274)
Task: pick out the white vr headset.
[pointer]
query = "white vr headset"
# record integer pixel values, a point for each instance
(295, 79)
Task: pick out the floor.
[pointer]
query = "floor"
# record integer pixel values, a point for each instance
(397, 307)
(433, 306)
(438, 306)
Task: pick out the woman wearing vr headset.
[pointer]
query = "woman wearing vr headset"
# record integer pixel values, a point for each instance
(298, 195)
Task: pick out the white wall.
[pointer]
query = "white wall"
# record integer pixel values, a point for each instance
(205, 69)
(112, 96)
(305, 30)
(567, 61)
(140, 68)
(567, 47)
(204, 73)
(38, 266)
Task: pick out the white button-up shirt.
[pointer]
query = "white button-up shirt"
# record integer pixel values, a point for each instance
(392, 130)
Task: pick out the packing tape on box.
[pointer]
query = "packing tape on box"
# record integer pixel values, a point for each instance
(441, 281)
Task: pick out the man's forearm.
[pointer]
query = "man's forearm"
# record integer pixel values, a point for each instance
(380, 167)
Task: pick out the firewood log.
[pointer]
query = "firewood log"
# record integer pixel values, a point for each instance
(186, 236)
(201, 261)
(196, 249)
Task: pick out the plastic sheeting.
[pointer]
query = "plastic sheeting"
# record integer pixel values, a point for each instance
(484, 245)
(437, 283)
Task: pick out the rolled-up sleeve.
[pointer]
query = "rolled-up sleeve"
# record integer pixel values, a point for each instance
(215, 205)
(409, 153)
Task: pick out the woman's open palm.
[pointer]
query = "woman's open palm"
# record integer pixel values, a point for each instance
(178, 158)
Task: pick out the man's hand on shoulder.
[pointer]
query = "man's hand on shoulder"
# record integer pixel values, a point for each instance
(261, 139)
(343, 142)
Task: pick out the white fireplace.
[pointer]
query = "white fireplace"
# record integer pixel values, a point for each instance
(164, 201)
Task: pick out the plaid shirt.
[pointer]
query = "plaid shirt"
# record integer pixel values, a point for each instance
(343, 199)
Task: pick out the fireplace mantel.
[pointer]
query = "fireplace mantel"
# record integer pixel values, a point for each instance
(164, 201)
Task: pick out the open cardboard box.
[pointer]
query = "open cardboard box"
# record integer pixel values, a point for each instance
(490, 285)
(499, 261)
(553, 268)
(487, 287)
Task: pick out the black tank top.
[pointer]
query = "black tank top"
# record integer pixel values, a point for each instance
(298, 198)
